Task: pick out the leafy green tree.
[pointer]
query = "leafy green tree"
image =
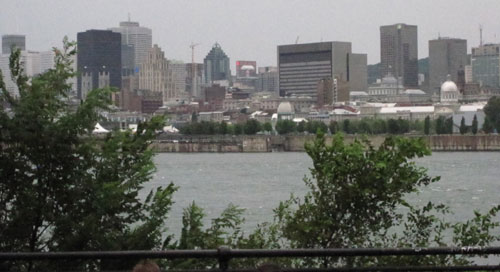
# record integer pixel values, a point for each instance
(346, 126)
(267, 127)
(364, 127)
(487, 126)
(238, 129)
(223, 129)
(427, 125)
(449, 125)
(463, 127)
(492, 111)
(379, 126)
(251, 127)
(333, 126)
(474, 125)
(360, 204)
(301, 127)
(440, 125)
(393, 126)
(63, 188)
(285, 126)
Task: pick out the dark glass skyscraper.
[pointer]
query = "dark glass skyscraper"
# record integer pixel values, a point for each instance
(399, 53)
(18, 41)
(99, 60)
(216, 65)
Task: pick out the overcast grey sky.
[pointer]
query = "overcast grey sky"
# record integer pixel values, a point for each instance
(251, 30)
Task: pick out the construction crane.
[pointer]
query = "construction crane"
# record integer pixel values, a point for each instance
(193, 71)
(297, 40)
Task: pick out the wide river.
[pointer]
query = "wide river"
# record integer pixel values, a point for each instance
(258, 181)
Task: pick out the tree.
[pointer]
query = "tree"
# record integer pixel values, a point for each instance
(393, 126)
(440, 126)
(492, 112)
(357, 204)
(301, 127)
(427, 125)
(251, 127)
(268, 127)
(346, 126)
(463, 127)
(63, 188)
(474, 125)
(333, 126)
(223, 129)
(285, 126)
(487, 126)
(448, 125)
(238, 129)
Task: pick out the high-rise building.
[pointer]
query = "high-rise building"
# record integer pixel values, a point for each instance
(399, 53)
(302, 66)
(98, 61)
(216, 65)
(179, 76)
(447, 56)
(198, 71)
(358, 72)
(155, 75)
(485, 63)
(8, 41)
(268, 79)
(137, 37)
(246, 68)
(31, 65)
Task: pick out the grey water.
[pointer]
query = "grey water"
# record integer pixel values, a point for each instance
(257, 182)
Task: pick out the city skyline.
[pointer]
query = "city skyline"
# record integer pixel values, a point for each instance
(259, 26)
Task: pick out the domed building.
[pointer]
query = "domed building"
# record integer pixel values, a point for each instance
(285, 111)
(449, 92)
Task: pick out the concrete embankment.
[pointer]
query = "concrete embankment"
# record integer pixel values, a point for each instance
(295, 143)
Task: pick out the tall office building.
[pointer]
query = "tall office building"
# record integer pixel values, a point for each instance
(179, 76)
(358, 72)
(98, 61)
(18, 41)
(137, 37)
(447, 56)
(399, 53)
(155, 75)
(485, 63)
(216, 65)
(194, 91)
(302, 66)
(268, 79)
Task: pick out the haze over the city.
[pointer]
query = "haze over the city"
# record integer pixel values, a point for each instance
(252, 29)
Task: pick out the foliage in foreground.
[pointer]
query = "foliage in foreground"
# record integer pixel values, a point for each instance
(62, 188)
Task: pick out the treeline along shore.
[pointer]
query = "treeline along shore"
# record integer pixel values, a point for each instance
(295, 143)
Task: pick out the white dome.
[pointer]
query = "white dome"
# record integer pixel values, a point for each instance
(285, 108)
(449, 86)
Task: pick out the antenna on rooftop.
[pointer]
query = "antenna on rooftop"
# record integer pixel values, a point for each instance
(480, 35)
(129, 16)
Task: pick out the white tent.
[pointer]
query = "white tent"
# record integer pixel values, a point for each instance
(170, 129)
(99, 129)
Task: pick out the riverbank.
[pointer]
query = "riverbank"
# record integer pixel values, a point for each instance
(295, 143)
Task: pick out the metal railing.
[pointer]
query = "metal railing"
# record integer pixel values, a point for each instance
(224, 255)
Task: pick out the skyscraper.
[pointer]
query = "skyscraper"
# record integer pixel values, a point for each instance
(216, 65)
(302, 66)
(19, 41)
(98, 60)
(447, 56)
(485, 64)
(399, 53)
(136, 36)
(155, 75)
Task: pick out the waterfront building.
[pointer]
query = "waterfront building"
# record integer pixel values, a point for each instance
(155, 75)
(485, 64)
(8, 41)
(137, 41)
(302, 66)
(98, 60)
(449, 92)
(216, 65)
(447, 56)
(399, 53)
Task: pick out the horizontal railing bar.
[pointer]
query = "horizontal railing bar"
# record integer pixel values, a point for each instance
(398, 268)
(250, 253)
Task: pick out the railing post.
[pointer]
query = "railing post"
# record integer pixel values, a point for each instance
(223, 253)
